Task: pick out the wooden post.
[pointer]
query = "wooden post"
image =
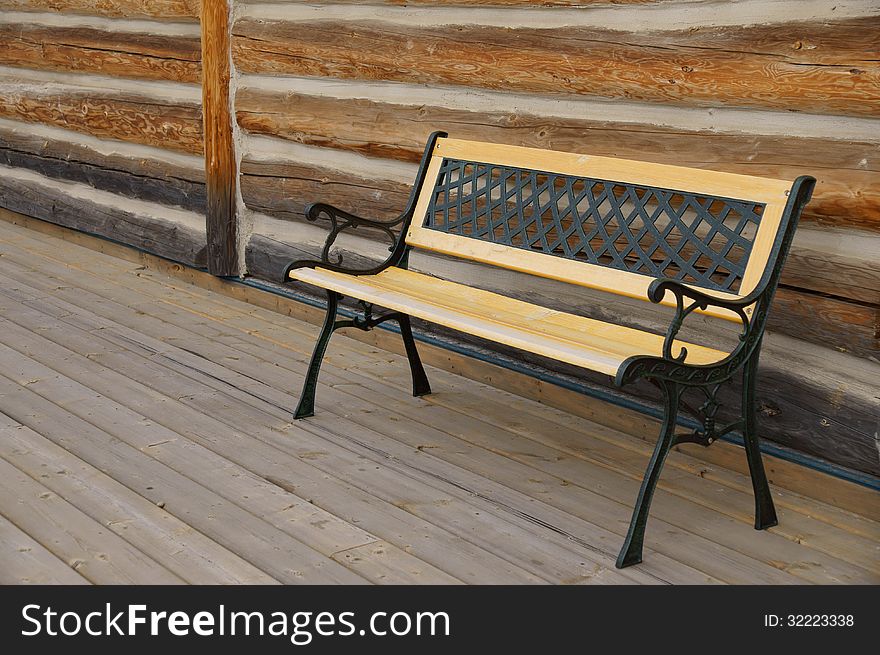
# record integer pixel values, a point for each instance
(220, 167)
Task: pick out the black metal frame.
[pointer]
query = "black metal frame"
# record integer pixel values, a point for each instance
(673, 375)
(669, 372)
(340, 221)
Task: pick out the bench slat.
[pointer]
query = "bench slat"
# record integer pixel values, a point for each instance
(565, 337)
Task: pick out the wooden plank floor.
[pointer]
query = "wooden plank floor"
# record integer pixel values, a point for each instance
(145, 436)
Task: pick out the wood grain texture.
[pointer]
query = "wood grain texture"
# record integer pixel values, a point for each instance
(848, 172)
(167, 238)
(220, 156)
(822, 68)
(285, 189)
(86, 50)
(156, 9)
(840, 324)
(853, 276)
(133, 177)
(594, 345)
(108, 114)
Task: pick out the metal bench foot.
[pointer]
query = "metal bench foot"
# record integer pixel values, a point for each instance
(765, 512)
(306, 406)
(631, 553)
(421, 386)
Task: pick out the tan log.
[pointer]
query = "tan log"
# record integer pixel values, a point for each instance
(125, 116)
(818, 67)
(156, 9)
(83, 49)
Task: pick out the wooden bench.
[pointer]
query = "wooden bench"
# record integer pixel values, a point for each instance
(696, 240)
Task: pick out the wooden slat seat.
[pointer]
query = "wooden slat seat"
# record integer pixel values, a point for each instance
(695, 240)
(577, 340)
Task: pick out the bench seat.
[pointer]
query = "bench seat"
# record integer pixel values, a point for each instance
(565, 337)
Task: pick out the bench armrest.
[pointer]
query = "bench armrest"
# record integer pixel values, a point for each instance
(688, 299)
(750, 309)
(659, 287)
(341, 220)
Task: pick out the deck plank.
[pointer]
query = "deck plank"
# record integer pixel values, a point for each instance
(713, 557)
(442, 408)
(107, 346)
(86, 546)
(560, 560)
(312, 526)
(273, 464)
(177, 546)
(24, 561)
(271, 550)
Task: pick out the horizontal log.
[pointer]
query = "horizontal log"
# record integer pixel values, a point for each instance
(820, 67)
(662, 16)
(105, 215)
(810, 398)
(68, 145)
(846, 270)
(846, 326)
(851, 274)
(109, 114)
(399, 131)
(285, 189)
(848, 172)
(146, 179)
(155, 9)
(82, 49)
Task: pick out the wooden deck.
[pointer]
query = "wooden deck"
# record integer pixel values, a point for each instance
(145, 437)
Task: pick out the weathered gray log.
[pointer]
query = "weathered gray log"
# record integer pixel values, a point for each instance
(168, 238)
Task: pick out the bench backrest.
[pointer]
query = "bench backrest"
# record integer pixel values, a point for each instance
(605, 223)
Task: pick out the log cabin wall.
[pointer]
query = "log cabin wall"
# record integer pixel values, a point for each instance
(102, 129)
(101, 119)
(335, 101)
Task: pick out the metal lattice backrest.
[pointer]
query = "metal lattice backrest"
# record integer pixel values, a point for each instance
(702, 240)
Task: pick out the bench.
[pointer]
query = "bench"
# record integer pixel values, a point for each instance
(696, 240)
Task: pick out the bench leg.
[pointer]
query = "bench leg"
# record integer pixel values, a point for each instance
(631, 553)
(306, 406)
(765, 512)
(421, 386)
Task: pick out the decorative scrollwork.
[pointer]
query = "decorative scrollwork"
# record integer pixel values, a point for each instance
(341, 220)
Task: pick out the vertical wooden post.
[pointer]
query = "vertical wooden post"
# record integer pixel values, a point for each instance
(220, 164)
